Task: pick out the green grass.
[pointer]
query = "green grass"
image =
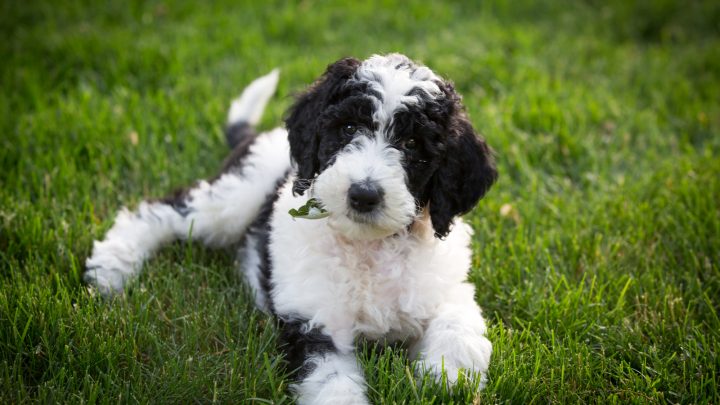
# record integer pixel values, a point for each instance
(600, 279)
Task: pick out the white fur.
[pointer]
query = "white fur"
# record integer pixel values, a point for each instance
(409, 286)
(222, 210)
(251, 103)
(366, 159)
(131, 240)
(218, 214)
(249, 265)
(455, 339)
(336, 379)
(394, 84)
(385, 278)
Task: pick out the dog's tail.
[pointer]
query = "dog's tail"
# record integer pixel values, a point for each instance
(246, 110)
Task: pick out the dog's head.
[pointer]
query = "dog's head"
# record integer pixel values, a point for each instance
(378, 141)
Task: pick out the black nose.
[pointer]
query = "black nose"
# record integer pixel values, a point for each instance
(364, 197)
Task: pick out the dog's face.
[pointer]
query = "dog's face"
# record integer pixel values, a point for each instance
(378, 141)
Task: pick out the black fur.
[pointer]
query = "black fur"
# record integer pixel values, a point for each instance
(303, 121)
(244, 137)
(240, 137)
(178, 201)
(261, 230)
(467, 170)
(237, 132)
(299, 342)
(450, 168)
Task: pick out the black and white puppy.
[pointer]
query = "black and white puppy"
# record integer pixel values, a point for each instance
(385, 146)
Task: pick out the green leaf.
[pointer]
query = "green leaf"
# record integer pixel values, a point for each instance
(311, 210)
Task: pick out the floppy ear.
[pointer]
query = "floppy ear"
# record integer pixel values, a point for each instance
(302, 120)
(466, 173)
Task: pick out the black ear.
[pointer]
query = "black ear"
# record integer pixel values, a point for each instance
(302, 120)
(466, 173)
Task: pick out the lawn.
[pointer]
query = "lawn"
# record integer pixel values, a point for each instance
(596, 255)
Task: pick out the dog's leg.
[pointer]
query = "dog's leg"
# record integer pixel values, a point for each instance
(455, 341)
(335, 379)
(216, 213)
(324, 373)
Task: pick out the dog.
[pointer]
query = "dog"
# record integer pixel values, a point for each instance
(387, 152)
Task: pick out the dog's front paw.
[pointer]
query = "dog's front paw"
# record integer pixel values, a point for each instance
(466, 358)
(337, 390)
(452, 376)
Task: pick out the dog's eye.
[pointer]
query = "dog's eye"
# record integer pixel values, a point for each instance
(349, 129)
(411, 144)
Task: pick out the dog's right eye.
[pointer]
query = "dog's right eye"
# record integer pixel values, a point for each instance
(349, 129)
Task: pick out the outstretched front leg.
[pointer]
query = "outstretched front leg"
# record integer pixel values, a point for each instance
(323, 372)
(454, 341)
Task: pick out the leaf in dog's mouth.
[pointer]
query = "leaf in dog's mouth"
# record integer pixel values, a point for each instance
(311, 210)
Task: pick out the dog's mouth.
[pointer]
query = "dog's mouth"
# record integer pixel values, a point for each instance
(362, 218)
(373, 207)
(367, 225)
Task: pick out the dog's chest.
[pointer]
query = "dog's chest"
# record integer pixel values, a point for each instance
(386, 288)
(382, 287)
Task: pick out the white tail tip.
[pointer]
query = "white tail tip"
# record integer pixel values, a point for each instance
(251, 103)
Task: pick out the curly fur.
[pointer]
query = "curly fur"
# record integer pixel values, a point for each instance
(388, 264)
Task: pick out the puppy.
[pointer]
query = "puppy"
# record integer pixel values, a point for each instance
(386, 150)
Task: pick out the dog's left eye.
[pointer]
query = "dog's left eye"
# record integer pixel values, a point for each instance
(411, 144)
(349, 129)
